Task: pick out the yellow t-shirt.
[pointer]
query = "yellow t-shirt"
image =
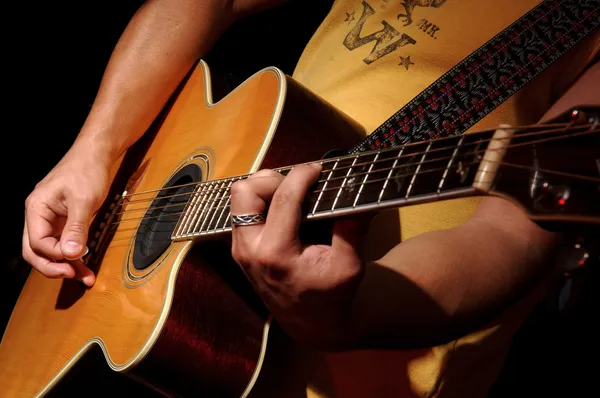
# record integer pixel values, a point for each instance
(369, 58)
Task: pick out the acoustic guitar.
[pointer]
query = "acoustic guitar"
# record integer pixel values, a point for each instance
(170, 307)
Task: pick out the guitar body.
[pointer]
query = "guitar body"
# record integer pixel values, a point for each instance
(180, 316)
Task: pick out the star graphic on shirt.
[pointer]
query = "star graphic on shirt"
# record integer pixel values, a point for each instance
(349, 17)
(406, 62)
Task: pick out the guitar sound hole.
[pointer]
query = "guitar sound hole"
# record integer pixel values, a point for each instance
(154, 234)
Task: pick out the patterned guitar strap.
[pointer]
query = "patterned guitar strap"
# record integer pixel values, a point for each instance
(488, 76)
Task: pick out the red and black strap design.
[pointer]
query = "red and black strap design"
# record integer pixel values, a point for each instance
(490, 75)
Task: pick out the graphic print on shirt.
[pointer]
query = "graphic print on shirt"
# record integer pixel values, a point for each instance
(388, 39)
(409, 6)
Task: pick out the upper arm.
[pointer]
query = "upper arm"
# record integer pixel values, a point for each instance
(508, 217)
(243, 8)
(584, 91)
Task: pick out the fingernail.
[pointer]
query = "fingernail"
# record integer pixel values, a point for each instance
(71, 244)
(88, 280)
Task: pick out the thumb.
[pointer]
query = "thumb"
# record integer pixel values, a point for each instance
(349, 233)
(74, 236)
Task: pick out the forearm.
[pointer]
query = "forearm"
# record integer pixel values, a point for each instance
(439, 285)
(156, 50)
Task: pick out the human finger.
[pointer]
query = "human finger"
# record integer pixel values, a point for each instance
(285, 211)
(42, 227)
(348, 235)
(83, 273)
(49, 267)
(249, 200)
(75, 232)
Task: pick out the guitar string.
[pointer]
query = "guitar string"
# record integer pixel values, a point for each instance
(365, 154)
(222, 184)
(224, 189)
(226, 227)
(547, 171)
(391, 149)
(220, 198)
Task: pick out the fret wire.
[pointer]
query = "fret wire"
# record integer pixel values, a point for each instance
(185, 213)
(414, 177)
(324, 186)
(192, 210)
(429, 150)
(205, 208)
(550, 128)
(211, 208)
(227, 219)
(475, 135)
(202, 209)
(225, 191)
(214, 207)
(182, 216)
(225, 206)
(450, 163)
(362, 184)
(389, 176)
(199, 209)
(337, 196)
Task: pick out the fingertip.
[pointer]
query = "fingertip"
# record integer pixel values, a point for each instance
(72, 250)
(88, 280)
(83, 273)
(317, 166)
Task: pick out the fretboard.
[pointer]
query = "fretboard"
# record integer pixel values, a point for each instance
(375, 180)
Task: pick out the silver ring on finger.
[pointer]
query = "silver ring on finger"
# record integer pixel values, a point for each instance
(248, 219)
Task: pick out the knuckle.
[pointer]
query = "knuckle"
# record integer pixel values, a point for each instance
(237, 254)
(31, 201)
(269, 257)
(239, 188)
(266, 173)
(76, 228)
(262, 173)
(35, 246)
(243, 258)
(26, 254)
(83, 198)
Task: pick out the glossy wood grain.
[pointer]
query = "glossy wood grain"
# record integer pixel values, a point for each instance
(189, 324)
(48, 330)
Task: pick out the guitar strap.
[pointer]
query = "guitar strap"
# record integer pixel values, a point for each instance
(490, 75)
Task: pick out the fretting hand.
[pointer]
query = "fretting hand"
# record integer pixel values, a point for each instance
(308, 288)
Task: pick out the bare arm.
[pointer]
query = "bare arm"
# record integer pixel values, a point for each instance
(427, 290)
(439, 285)
(158, 47)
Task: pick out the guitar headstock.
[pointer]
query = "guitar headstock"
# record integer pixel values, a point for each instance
(552, 170)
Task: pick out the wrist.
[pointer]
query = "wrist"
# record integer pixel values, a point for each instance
(97, 147)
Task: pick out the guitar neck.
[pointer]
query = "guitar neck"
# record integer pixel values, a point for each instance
(375, 180)
(505, 161)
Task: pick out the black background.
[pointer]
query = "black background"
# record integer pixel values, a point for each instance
(53, 58)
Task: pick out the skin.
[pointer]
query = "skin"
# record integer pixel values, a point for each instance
(455, 280)
(323, 295)
(159, 45)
